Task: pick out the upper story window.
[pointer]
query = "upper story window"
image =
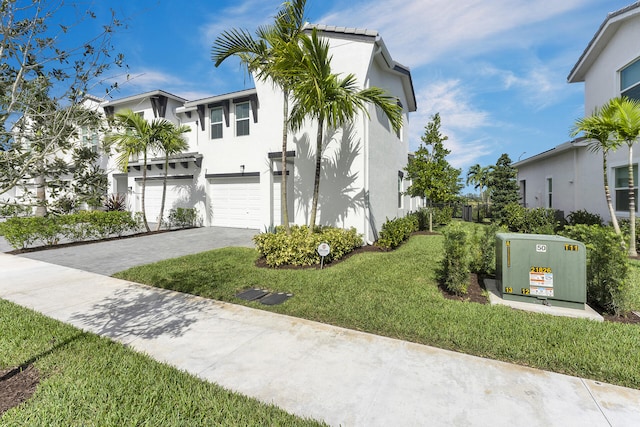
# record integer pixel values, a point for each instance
(549, 192)
(242, 119)
(630, 80)
(90, 138)
(216, 122)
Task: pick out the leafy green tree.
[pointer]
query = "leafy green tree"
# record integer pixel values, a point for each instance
(46, 72)
(263, 56)
(598, 129)
(626, 128)
(331, 100)
(503, 186)
(478, 176)
(135, 136)
(430, 173)
(171, 142)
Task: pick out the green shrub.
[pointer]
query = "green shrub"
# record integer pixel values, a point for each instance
(608, 280)
(519, 219)
(422, 215)
(456, 262)
(183, 217)
(20, 233)
(482, 244)
(24, 232)
(300, 247)
(397, 230)
(583, 217)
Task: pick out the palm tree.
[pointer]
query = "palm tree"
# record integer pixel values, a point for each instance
(626, 126)
(598, 128)
(137, 136)
(331, 100)
(171, 142)
(261, 56)
(478, 176)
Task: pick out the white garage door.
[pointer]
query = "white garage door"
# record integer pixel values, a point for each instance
(235, 202)
(177, 197)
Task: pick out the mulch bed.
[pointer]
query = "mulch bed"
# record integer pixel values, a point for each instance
(16, 386)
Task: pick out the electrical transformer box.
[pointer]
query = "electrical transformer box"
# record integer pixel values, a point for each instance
(541, 269)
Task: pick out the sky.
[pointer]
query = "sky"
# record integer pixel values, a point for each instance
(495, 70)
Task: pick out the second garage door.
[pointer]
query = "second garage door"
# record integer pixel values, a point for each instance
(235, 202)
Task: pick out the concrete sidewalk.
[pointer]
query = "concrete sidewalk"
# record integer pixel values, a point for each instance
(315, 370)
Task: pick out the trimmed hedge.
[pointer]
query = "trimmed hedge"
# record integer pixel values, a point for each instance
(300, 247)
(396, 231)
(456, 263)
(27, 231)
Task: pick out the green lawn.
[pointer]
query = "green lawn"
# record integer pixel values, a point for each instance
(395, 294)
(91, 381)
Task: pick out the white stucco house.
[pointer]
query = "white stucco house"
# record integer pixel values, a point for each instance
(232, 170)
(569, 177)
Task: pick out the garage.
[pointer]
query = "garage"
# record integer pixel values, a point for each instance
(235, 201)
(178, 195)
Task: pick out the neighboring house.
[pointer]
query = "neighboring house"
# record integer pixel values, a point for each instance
(569, 177)
(232, 170)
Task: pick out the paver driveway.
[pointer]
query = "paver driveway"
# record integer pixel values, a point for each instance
(117, 255)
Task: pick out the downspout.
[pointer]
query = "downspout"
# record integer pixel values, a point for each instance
(367, 207)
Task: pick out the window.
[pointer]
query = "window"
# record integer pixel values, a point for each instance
(242, 119)
(622, 187)
(90, 139)
(400, 198)
(549, 192)
(216, 122)
(630, 80)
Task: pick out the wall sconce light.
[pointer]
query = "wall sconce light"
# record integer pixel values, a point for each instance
(242, 169)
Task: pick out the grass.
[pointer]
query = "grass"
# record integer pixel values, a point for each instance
(395, 294)
(91, 381)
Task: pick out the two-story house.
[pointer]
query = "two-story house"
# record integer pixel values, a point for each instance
(569, 177)
(232, 171)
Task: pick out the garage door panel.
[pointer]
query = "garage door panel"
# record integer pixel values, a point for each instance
(177, 197)
(235, 202)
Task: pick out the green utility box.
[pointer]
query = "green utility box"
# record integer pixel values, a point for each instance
(541, 269)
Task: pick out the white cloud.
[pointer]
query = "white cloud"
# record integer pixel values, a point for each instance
(420, 31)
(461, 121)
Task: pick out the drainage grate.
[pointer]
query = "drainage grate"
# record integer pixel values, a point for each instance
(275, 299)
(252, 294)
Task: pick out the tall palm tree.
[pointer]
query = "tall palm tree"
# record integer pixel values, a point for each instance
(329, 99)
(626, 126)
(598, 128)
(171, 142)
(261, 56)
(137, 136)
(478, 176)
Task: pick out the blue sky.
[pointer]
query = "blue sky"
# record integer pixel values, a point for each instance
(495, 70)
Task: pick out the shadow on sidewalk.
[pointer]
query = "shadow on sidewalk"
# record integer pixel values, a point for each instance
(141, 312)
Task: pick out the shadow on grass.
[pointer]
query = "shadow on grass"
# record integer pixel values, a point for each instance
(55, 345)
(142, 313)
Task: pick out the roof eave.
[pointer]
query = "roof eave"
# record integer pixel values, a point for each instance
(604, 34)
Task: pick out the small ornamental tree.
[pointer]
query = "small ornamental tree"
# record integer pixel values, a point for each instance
(430, 173)
(503, 187)
(51, 59)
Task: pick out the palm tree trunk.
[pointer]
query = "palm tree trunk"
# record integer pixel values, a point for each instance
(607, 194)
(144, 184)
(283, 185)
(632, 208)
(316, 183)
(164, 191)
(41, 195)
